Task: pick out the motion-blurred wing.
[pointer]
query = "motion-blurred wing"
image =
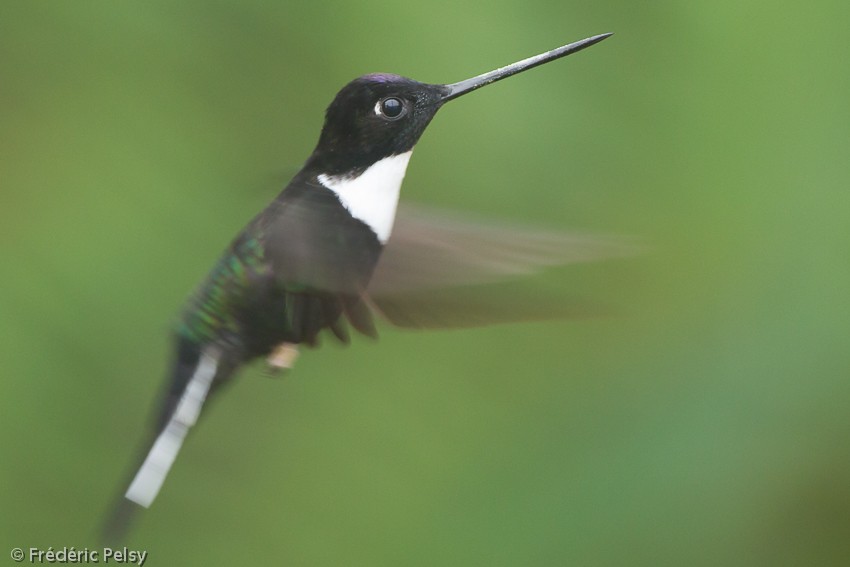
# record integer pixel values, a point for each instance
(435, 249)
(479, 306)
(424, 274)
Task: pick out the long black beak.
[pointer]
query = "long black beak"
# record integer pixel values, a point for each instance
(461, 88)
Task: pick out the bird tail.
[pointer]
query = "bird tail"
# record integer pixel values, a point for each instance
(152, 473)
(195, 368)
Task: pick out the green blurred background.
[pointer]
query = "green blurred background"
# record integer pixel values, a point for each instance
(708, 424)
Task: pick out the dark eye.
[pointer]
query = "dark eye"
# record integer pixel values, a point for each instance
(391, 107)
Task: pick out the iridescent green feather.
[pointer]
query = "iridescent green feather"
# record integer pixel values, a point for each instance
(211, 312)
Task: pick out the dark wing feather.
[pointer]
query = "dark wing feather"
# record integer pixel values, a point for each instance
(314, 246)
(313, 243)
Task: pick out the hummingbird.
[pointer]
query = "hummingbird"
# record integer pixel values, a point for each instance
(333, 250)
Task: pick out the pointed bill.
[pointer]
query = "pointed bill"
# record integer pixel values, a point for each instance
(460, 88)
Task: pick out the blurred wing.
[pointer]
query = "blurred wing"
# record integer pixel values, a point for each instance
(436, 249)
(430, 251)
(432, 271)
(479, 306)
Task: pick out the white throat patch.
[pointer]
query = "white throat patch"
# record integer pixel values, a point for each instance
(372, 196)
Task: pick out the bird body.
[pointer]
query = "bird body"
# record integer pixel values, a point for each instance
(331, 251)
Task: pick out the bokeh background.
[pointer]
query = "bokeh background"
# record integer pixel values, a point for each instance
(708, 423)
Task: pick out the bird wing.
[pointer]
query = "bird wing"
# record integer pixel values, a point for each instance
(314, 246)
(430, 248)
(313, 243)
(438, 269)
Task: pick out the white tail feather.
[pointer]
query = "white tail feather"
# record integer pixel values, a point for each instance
(152, 473)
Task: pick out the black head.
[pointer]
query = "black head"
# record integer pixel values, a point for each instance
(379, 115)
(373, 117)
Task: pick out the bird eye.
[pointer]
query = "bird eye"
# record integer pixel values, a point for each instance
(390, 108)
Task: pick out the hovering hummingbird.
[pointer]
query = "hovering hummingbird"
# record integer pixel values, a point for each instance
(331, 250)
